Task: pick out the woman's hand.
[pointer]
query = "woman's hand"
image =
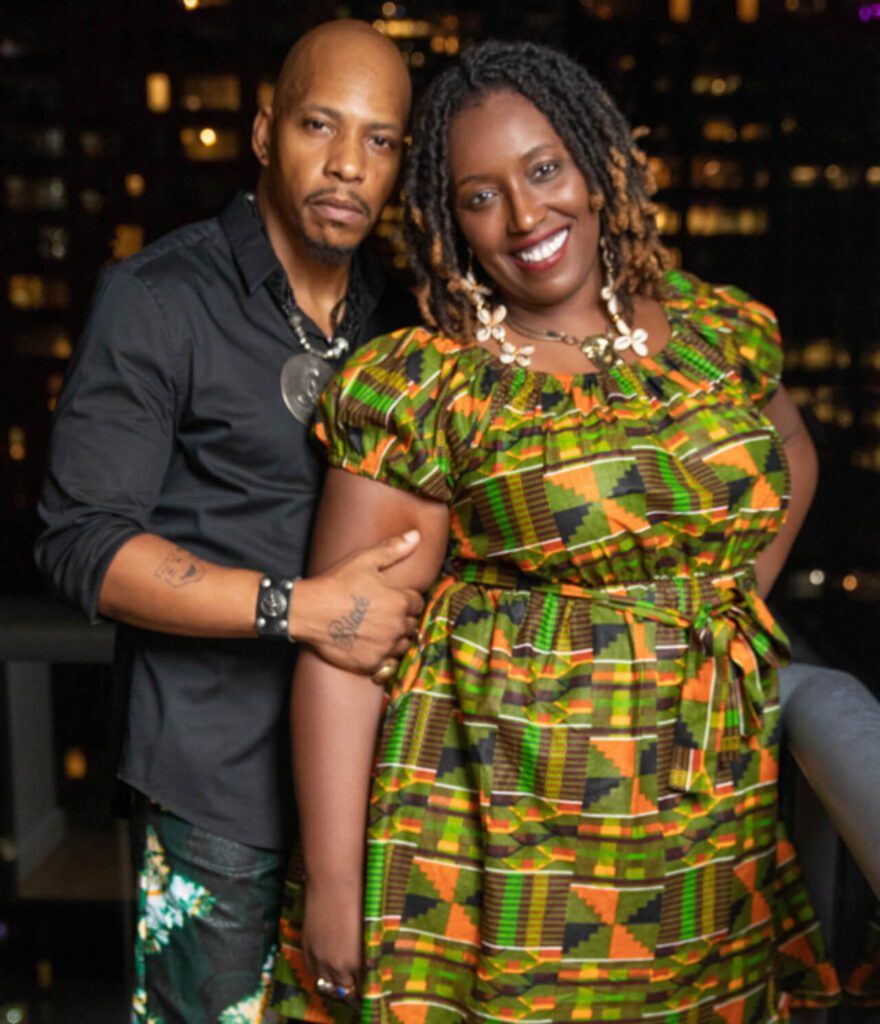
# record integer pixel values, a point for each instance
(332, 937)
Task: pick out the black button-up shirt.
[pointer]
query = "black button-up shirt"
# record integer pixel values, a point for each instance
(172, 422)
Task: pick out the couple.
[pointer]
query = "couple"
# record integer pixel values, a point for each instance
(588, 465)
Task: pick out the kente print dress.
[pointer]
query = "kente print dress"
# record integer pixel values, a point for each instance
(574, 806)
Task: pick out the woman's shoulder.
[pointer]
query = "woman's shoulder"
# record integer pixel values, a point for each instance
(716, 305)
(742, 331)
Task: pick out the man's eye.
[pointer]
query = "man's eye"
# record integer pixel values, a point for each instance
(314, 123)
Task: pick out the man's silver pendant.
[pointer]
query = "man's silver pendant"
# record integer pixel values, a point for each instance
(303, 378)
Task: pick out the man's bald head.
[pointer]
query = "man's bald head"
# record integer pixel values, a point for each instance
(341, 43)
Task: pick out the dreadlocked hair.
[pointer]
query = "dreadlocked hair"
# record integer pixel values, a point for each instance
(594, 132)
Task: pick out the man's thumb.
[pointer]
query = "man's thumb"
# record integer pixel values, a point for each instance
(395, 549)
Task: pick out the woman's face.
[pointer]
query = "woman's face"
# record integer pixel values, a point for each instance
(522, 204)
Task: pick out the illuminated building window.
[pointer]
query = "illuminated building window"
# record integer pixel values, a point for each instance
(804, 175)
(31, 291)
(872, 176)
(76, 765)
(662, 84)
(52, 242)
(867, 458)
(211, 92)
(716, 85)
(839, 178)
(16, 442)
(788, 125)
(35, 193)
(680, 10)
(710, 172)
(818, 354)
(754, 131)
(54, 383)
(725, 220)
(604, 10)
(747, 10)
(417, 59)
(626, 62)
(158, 92)
(135, 185)
(209, 143)
(25, 141)
(265, 94)
(871, 359)
(127, 240)
(389, 9)
(762, 178)
(403, 28)
(43, 341)
(668, 220)
(665, 170)
(196, 5)
(719, 129)
(91, 200)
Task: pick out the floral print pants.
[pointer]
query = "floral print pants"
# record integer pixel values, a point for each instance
(207, 919)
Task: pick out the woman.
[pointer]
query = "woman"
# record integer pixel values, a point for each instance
(573, 810)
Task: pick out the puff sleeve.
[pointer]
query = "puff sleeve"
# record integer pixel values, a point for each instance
(757, 344)
(384, 414)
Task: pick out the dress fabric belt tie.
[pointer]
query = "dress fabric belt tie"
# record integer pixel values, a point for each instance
(733, 642)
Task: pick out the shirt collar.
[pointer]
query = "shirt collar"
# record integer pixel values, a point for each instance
(251, 248)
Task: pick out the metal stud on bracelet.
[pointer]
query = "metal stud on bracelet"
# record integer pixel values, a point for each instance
(273, 607)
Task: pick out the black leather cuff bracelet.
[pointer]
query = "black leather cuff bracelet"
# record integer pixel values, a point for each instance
(273, 607)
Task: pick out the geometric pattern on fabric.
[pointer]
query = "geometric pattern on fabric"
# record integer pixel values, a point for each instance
(574, 809)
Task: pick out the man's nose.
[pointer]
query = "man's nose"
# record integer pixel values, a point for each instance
(346, 160)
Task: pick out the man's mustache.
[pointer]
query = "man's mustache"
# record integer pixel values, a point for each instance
(346, 194)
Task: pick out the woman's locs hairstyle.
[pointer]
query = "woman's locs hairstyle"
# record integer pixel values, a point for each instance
(596, 135)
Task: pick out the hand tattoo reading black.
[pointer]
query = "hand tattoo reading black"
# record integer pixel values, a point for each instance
(344, 631)
(180, 568)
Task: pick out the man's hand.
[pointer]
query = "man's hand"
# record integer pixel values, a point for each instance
(351, 615)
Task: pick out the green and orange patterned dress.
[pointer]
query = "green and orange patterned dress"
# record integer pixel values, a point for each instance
(574, 807)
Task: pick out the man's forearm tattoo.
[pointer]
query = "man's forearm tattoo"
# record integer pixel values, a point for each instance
(344, 631)
(180, 568)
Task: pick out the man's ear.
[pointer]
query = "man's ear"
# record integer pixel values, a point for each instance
(261, 134)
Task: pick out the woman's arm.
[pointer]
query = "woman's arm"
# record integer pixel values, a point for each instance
(804, 468)
(335, 716)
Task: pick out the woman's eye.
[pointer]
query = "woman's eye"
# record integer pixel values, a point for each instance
(545, 169)
(479, 199)
(383, 142)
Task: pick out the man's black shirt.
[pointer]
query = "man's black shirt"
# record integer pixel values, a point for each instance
(172, 422)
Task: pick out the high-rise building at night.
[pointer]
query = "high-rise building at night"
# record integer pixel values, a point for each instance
(130, 120)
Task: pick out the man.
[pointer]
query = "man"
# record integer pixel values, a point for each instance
(178, 501)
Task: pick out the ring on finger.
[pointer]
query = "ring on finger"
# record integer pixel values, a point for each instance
(327, 988)
(386, 671)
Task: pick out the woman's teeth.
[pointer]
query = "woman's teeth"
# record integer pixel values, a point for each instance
(543, 250)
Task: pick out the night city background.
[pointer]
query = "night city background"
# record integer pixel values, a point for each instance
(123, 119)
